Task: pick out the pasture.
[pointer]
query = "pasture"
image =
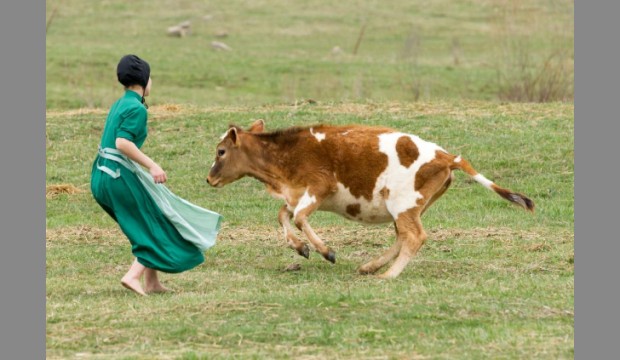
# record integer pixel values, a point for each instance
(492, 281)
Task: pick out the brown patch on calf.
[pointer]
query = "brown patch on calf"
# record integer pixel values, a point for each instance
(432, 180)
(432, 171)
(354, 209)
(385, 193)
(359, 160)
(407, 151)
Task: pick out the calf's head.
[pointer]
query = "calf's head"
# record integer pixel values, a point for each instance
(232, 160)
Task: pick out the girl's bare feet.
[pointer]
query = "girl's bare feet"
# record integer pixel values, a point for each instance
(158, 289)
(131, 280)
(133, 285)
(151, 282)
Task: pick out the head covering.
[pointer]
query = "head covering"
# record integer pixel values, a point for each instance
(132, 70)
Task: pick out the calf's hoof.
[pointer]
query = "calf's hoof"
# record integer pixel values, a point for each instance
(331, 256)
(304, 251)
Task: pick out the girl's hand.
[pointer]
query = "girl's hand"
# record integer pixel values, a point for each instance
(158, 174)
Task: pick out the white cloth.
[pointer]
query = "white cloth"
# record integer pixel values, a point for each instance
(196, 224)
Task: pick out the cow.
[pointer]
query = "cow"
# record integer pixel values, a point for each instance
(364, 173)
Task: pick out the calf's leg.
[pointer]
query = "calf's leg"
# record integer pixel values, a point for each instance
(306, 206)
(302, 223)
(408, 224)
(441, 191)
(412, 236)
(372, 266)
(284, 217)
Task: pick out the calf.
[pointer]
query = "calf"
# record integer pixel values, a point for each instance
(366, 174)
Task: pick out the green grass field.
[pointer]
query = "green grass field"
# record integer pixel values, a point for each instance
(282, 50)
(492, 281)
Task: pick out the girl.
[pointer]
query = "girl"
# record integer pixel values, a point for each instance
(166, 233)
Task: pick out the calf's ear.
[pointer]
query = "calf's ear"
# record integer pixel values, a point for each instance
(257, 126)
(234, 136)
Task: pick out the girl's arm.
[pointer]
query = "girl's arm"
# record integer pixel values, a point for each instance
(131, 151)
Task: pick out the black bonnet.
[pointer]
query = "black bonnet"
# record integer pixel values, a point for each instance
(132, 70)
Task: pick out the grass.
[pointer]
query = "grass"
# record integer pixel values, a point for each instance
(492, 281)
(282, 50)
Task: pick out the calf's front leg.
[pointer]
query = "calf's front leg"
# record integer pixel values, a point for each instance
(293, 241)
(307, 205)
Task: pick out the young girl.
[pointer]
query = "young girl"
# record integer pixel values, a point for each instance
(166, 233)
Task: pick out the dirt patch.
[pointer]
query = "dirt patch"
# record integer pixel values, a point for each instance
(483, 233)
(154, 109)
(254, 236)
(85, 235)
(293, 267)
(169, 111)
(75, 112)
(364, 238)
(52, 191)
(538, 247)
(165, 108)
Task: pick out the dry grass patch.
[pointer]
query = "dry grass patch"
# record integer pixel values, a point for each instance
(75, 112)
(84, 235)
(461, 109)
(166, 108)
(52, 191)
(362, 237)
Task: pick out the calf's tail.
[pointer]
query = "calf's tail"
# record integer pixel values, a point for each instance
(516, 198)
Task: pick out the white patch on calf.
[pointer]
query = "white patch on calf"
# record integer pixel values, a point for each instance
(458, 159)
(305, 201)
(373, 211)
(400, 180)
(484, 181)
(319, 136)
(212, 165)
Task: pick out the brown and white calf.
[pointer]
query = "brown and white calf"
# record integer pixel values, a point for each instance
(367, 174)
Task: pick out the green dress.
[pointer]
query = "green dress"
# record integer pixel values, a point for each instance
(155, 242)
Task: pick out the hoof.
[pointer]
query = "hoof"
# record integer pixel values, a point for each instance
(331, 257)
(304, 251)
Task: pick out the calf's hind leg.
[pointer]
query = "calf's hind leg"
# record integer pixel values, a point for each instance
(441, 191)
(372, 266)
(412, 236)
(408, 224)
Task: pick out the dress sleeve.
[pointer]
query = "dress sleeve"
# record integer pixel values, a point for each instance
(133, 124)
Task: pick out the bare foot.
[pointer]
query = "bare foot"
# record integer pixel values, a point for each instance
(156, 289)
(133, 285)
(151, 282)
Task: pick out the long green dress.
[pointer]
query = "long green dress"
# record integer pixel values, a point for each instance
(155, 242)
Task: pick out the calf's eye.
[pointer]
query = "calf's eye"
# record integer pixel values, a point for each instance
(221, 152)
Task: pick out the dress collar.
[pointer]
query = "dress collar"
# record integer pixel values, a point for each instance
(131, 93)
